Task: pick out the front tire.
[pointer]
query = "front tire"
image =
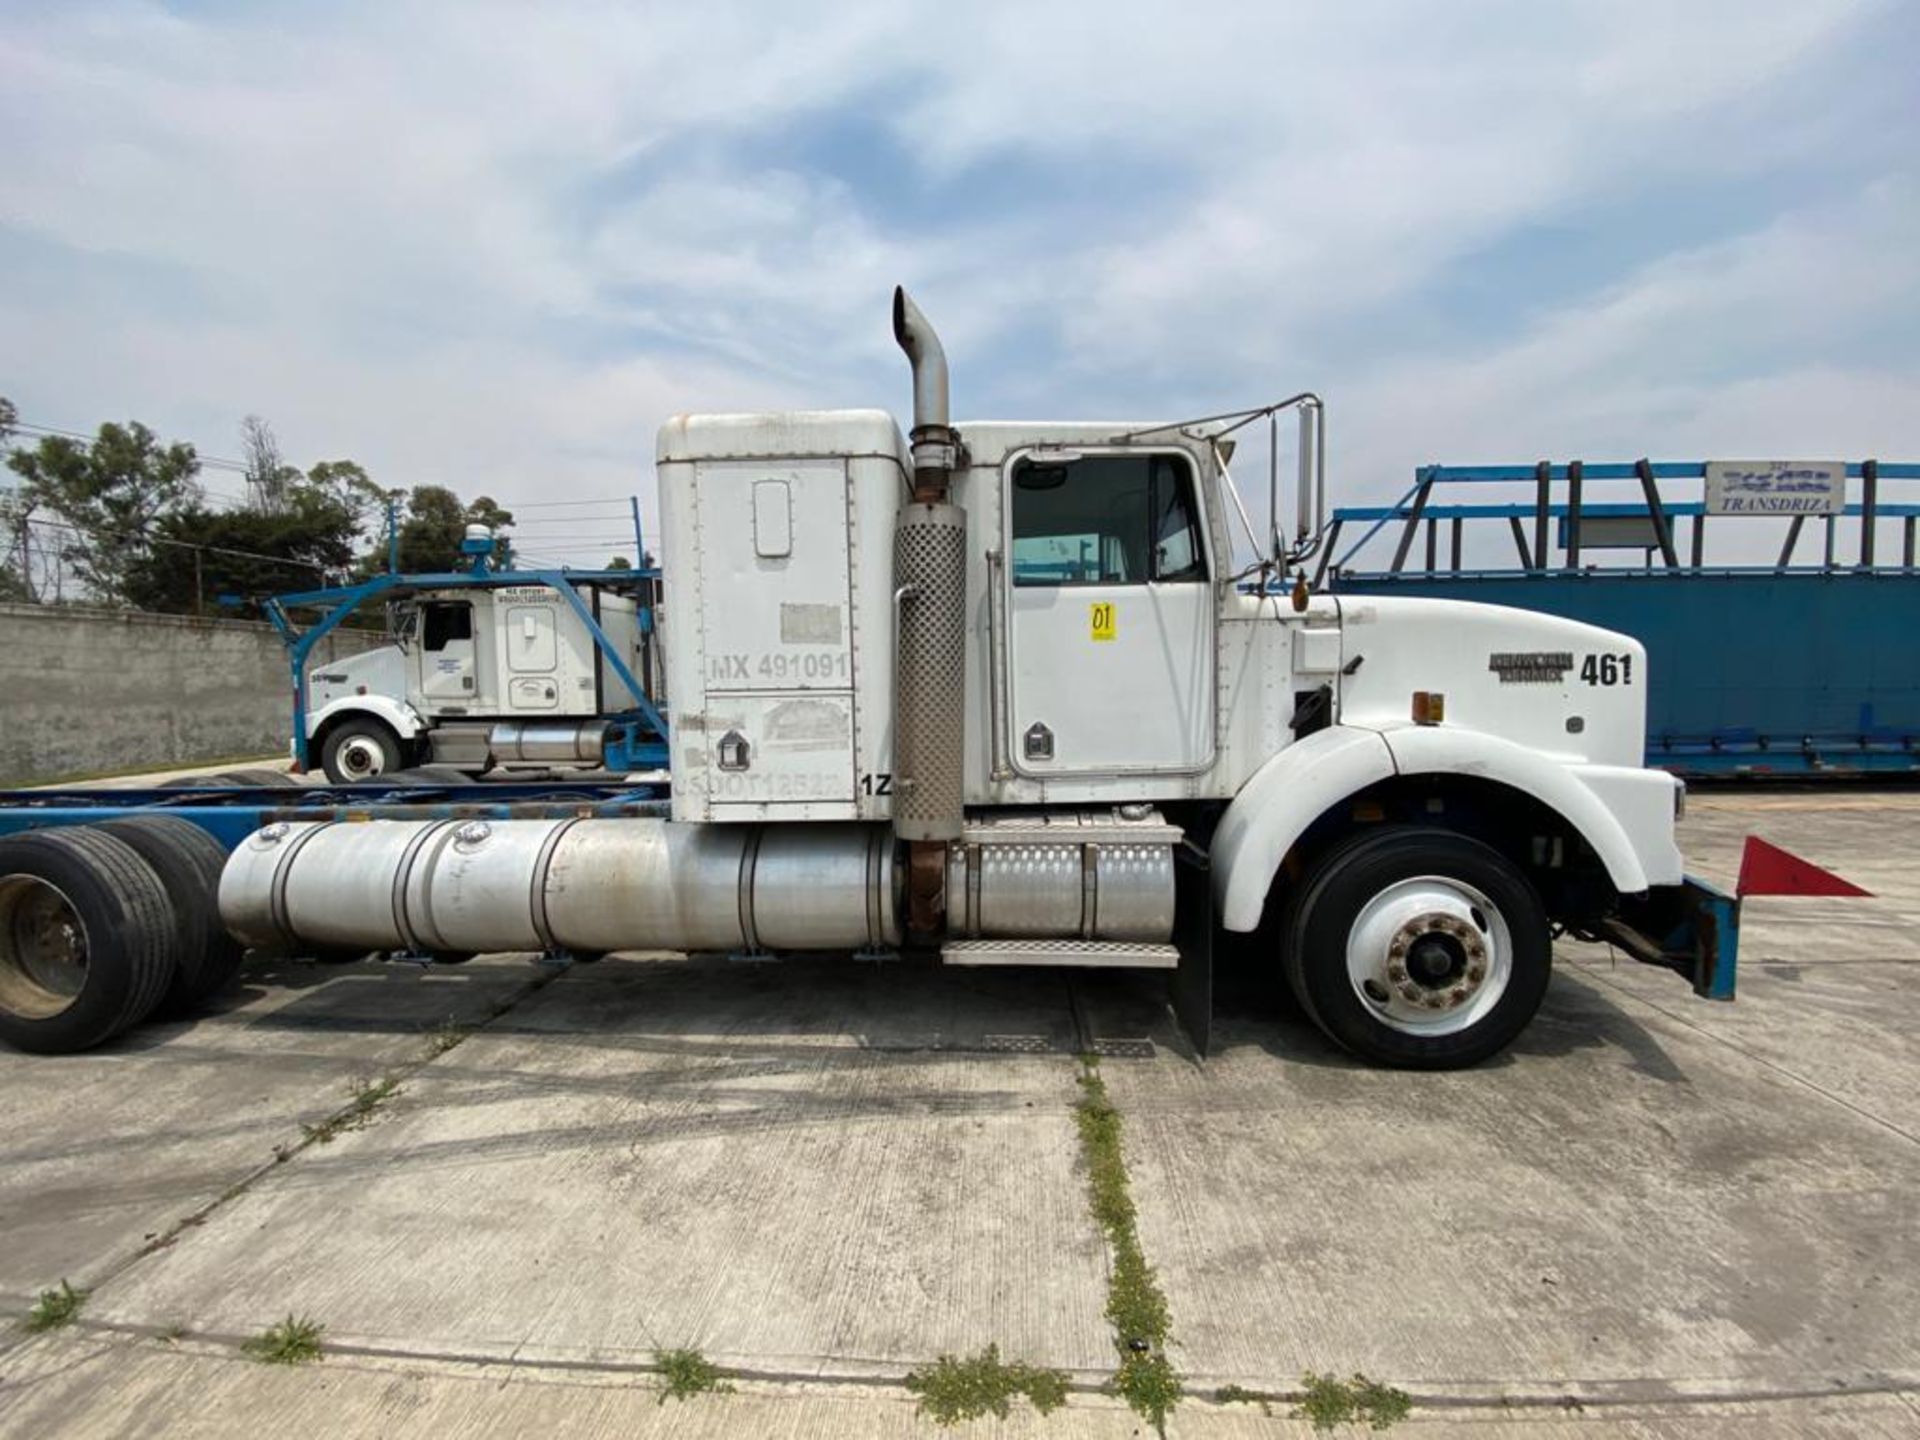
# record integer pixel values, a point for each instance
(1419, 948)
(361, 750)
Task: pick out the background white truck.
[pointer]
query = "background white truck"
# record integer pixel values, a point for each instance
(485, 670)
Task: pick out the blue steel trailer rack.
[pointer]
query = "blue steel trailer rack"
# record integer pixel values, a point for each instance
(230, 814)
(1757, 670)
(636, 737)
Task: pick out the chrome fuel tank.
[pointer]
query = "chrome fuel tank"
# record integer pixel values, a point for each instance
(585, 885)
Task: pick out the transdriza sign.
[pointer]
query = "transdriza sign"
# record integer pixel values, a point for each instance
(1776, 487)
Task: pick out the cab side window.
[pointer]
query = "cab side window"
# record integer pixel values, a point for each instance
(441, 623)
(1105, 520)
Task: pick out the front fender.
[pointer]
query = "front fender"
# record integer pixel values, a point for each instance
(404, 720)
(1626, 815)
(1274, 808)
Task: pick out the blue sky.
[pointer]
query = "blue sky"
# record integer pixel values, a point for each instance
(494, 245)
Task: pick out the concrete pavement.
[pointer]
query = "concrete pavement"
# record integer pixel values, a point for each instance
(1655, 1216)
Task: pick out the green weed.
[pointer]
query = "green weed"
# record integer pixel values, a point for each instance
(1330, 1401)
(952, 1390)
(1136, 1305)
(291, 1342)
(687, 1373)
(365, 1097)
(54, 1309)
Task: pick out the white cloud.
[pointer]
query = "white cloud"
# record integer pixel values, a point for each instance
(496, 244)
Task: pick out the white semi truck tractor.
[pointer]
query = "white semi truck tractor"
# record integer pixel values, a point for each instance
(997, 692)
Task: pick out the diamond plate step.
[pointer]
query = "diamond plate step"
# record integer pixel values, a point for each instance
(1060, 952)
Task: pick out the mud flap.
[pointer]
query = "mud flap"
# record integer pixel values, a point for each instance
(1192, 980)
(1692, 928)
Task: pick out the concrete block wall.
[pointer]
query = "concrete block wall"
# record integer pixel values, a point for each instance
(85, 692)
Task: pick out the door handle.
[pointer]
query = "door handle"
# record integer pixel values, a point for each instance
(998, 769)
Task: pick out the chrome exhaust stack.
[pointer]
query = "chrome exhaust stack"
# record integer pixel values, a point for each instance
(930, 597)
(936, 446)
(930, 659)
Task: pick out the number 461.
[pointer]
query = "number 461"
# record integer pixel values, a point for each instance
(1608, 669)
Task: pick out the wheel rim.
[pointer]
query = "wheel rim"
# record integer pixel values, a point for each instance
(43, 949)
(1429, 956)
(361, 757)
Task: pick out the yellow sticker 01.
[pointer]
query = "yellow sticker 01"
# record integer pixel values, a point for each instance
(1101, 620)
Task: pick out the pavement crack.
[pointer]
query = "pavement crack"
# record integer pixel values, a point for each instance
(838, 1372)
(1771, 1065)
(1136, 1305)
(438, 1043)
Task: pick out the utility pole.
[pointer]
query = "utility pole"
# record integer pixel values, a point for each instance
(393, 532)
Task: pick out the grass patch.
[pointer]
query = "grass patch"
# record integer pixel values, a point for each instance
(953, 1390)
(444, 1036)
(365, 1097)
(687, 1373)
(291, 1342)
(54, 1308)
(1240, 1395)
(1136, 1305)
(1329, 1401)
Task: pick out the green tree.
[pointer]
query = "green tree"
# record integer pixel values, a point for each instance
(15, 582)
(200, 557)
(109, 490)
(619, 562)
(436, 522)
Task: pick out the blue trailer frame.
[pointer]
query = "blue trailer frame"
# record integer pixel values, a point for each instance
(1818, 677)
(637, 738)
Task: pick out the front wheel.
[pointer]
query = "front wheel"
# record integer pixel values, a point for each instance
(361, 750)
(1419, 948)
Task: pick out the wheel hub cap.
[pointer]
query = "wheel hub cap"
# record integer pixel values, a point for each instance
(362, 757)
(43, 949)
(1430, 955)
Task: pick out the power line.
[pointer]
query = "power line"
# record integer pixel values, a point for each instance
(146, 539)
(214, 461)
(557, 504)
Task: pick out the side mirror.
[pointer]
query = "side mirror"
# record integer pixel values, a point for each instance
(1310, 498)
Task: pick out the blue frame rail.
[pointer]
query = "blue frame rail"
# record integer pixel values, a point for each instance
(232, 814)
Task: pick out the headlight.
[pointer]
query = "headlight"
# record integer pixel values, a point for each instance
(1679, 799)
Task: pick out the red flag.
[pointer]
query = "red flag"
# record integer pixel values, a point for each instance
(1768, 870)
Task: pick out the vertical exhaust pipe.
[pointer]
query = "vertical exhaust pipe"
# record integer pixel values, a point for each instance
(930, 663)
(936, 448)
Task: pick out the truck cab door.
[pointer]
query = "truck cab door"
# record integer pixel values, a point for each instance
(448, 668)
(1110, 615)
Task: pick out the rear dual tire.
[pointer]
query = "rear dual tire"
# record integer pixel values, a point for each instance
(188, 862)
(103, 925)
(1418, 948)
(88, 941)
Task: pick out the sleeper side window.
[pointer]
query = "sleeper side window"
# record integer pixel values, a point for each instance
(1105, 520)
